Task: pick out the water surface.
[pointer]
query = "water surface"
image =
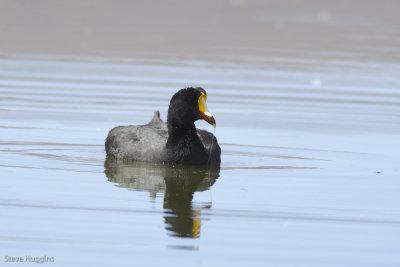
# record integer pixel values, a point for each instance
(310, 141)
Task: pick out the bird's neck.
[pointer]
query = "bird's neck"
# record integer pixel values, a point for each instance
(179, 132)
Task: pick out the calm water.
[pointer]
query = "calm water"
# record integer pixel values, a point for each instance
(309, 168)
(310, 164)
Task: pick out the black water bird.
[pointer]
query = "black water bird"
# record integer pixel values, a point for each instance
(175, 142)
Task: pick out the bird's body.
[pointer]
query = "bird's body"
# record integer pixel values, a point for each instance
(175, 142)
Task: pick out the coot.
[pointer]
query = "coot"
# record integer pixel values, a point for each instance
(175, 142)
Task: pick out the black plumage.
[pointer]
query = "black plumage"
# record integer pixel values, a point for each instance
(175, 142)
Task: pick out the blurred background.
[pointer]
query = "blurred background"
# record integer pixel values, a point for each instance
(200, 29)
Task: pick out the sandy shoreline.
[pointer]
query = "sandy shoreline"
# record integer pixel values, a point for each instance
(201, 29)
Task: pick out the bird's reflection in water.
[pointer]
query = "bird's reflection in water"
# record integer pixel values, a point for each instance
(178, 183)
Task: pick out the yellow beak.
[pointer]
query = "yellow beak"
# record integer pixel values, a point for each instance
(203, 111)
